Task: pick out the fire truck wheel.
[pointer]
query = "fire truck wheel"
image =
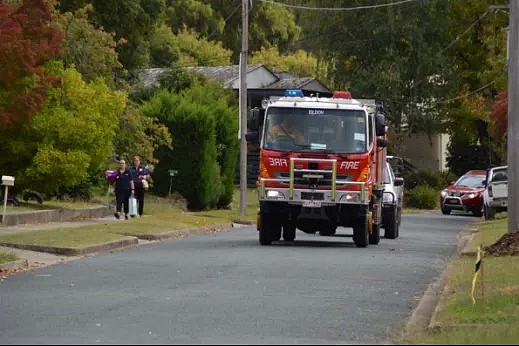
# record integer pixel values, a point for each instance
(265, 229)
(391, 229)
(289, 232)
(360, 232)
(374, 237)
(276, 230)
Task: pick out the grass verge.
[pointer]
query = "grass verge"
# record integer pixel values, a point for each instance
(490, 321)
(7, 257)
(161, 216)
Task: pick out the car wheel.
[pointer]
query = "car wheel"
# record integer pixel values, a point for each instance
(490, 213)
(391, 229)
(445, 210)
(478, 212)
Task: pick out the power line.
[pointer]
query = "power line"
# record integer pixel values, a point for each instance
(465, 32)
(336, 8)
(466, 95)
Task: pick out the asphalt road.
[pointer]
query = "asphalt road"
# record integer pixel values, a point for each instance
(226, 288)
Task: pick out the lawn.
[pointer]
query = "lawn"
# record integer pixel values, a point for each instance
(492, 320)
(161, 215)
(7, 257)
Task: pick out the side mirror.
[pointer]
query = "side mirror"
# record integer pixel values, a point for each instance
(398, 181)
(252, 137)
(484, 183)
(380, 124)
(254, 119)
(383, 143)
(452, 183)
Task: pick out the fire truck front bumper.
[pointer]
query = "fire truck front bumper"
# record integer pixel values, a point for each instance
(312, 198)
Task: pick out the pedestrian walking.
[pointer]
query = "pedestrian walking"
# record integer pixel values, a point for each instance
(140, 175)
(124, 188)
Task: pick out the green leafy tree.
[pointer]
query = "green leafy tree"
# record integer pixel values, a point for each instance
(72, 137)
(132, 21)
(140, 135)
(196, 50)
(300, 63)
(90, 50)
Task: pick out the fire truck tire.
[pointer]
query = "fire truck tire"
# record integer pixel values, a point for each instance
(265, 229)
(374, 237)
(276, 230)
(391, 226)
(360, 232)
(289, 232)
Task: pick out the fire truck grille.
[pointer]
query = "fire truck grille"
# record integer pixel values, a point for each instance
(326, 181)
(318, 196)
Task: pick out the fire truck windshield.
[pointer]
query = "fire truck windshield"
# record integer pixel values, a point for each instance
(304, 129)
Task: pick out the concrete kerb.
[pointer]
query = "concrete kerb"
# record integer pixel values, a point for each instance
(67, 251)
(14, 265)
(425, 315)
(161, 236)
(57, 215)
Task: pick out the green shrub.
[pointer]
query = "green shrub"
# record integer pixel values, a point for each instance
(423, 197)
(203, 124)
(434, 179)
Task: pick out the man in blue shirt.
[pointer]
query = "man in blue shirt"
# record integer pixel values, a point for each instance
(139, 173)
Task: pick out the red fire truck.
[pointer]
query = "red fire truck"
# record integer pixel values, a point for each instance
(321, 166)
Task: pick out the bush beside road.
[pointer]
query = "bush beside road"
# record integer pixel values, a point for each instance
(491, 320)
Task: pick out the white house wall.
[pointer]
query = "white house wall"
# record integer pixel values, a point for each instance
(257, 79)
(424, 152)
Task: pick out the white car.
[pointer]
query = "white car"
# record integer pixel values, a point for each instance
(495, 195)
(392, 203)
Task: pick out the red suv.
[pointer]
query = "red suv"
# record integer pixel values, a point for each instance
(465, 194)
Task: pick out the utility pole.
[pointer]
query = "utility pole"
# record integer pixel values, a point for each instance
(243, 105)
(513, 118)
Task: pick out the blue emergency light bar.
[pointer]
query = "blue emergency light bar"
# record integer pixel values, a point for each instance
(294, 93)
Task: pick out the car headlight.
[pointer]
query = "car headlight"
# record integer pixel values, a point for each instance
(471, 195)
(444, 193)
(351, 197)
(273, 194)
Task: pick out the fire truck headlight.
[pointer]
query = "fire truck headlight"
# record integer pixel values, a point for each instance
(272, 194)
(351, 197)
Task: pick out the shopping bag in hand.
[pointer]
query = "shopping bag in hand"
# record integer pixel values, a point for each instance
(133, 206)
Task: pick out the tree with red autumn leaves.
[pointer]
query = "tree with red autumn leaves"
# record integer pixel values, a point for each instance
(28, 40)
(499, 114)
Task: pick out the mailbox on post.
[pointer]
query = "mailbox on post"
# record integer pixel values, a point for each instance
(6, 181)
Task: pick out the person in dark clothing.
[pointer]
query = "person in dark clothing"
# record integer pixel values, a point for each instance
(139, 173)
(124, 188)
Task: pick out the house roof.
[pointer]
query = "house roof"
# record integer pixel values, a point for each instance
(291, 83)
(224, 74)
(228, 75)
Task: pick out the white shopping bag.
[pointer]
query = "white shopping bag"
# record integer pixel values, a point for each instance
(133, 206)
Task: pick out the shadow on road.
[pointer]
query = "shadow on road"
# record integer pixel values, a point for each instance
(313, 243)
